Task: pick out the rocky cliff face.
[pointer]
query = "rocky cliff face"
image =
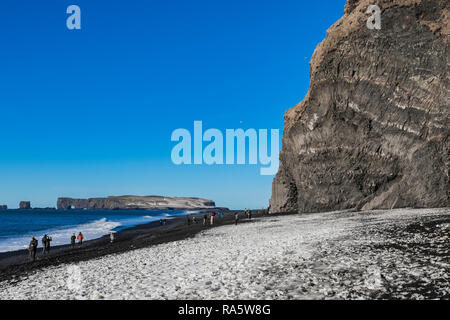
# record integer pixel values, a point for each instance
(373, 130)
(135, 202)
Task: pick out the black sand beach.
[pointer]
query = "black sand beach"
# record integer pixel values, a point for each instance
(384, 254)
(16, 263)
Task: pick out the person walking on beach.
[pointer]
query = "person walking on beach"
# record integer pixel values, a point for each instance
(33, 248)
(212, 218)
(249, 214)
(236, 218)
(80, 238)
(188, 220)
(46, 244)
(205, 219)
(73, 238)
(111, 237)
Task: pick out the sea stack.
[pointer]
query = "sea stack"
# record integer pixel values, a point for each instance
(25, 205)
(373, 129)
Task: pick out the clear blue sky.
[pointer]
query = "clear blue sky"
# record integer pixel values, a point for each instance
(90, 112)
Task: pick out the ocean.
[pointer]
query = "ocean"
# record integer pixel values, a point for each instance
(18, 226)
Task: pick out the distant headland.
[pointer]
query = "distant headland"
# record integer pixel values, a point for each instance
(135, 203)
(125, 203)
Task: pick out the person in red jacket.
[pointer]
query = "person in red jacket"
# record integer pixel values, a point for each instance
(80, 238)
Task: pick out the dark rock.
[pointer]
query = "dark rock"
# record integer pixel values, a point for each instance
(135, 202)
(3, 207)
(373, 130)
(25, 205)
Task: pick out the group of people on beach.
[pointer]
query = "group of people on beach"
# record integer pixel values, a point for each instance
(193, 220)
(46, 239)
(219, 214)
(33, 246)
(74, 238)
(247, 212)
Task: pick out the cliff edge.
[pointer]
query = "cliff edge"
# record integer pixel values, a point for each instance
(373, 129)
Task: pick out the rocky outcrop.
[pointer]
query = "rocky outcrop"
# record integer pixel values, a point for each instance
(373, 129)
(135, 202)
(3, 207)
(25, 205)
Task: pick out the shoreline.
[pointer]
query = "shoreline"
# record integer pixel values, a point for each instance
(107, 214)
(14, 264)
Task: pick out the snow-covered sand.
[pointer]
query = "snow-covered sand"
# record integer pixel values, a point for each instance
(328, 255)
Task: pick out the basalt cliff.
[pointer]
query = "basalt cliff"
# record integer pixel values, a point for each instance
(135, 202)
(373, 129)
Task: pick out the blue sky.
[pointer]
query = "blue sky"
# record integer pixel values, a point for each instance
(90, 112)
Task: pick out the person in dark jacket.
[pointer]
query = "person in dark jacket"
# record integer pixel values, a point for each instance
(188, 220)
(73, 238)
(33, 248)
(236, 218)
(205, 219)
(47, 244)
(44, 244)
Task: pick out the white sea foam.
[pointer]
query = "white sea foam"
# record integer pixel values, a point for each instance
(192, 211)
(153, 218)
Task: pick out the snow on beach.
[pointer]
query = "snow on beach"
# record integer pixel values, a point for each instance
(330, 255)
